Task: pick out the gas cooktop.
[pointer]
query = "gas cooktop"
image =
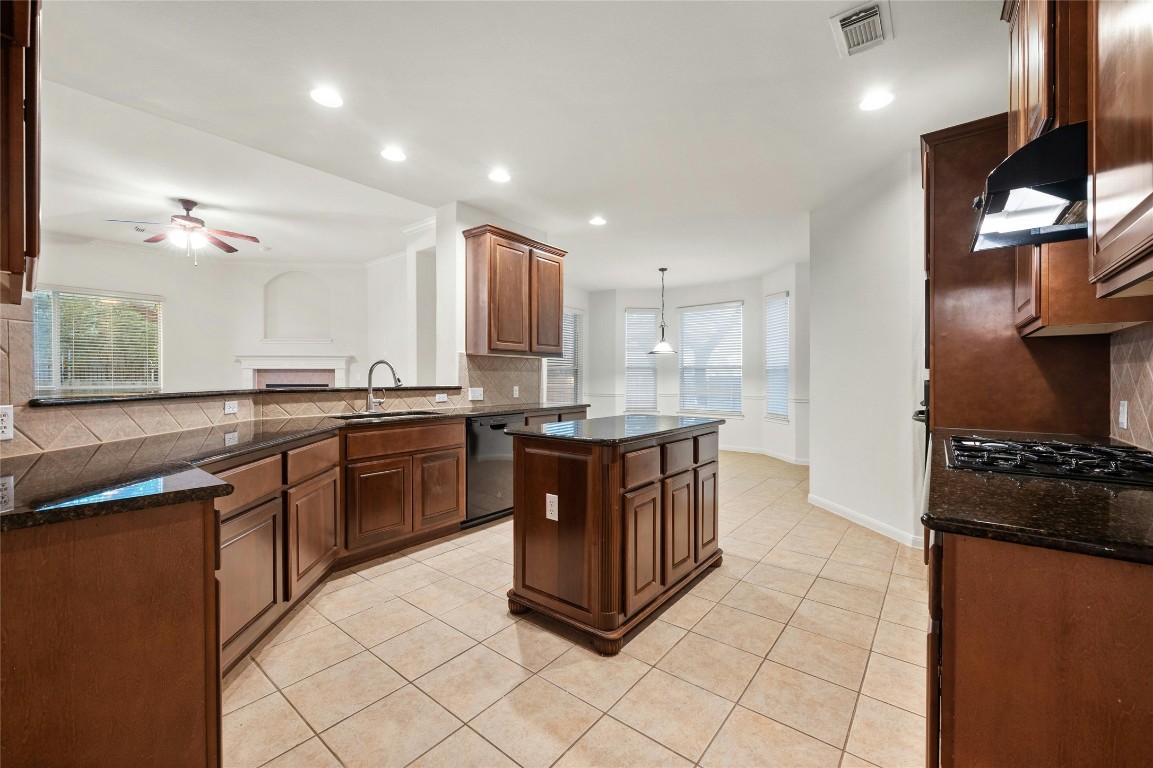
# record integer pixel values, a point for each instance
(1053, 458)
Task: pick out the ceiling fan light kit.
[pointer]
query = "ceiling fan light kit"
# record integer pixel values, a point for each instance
(188, 232)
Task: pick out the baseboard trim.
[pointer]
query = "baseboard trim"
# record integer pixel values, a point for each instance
(762, 452)
(873, 525)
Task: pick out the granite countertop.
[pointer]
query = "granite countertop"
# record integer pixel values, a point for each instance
(158, 470)
(41, 402)
(610, 430)
(1092, 518)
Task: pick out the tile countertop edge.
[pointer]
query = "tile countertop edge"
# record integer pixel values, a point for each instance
(1077, 516)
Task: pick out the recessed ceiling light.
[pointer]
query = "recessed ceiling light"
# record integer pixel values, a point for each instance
(876, 100)
(393, 153)
(598, 221)
(326, 97)
(499, 175)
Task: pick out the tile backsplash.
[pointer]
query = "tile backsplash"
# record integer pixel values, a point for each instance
(1131, 379)
(498, 375)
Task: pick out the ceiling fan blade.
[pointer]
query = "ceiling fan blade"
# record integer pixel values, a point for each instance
(157, 238)
(126, 221)
(226, 233)
(220, 243)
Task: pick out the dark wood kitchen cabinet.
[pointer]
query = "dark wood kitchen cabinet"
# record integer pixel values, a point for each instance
(379, 501)
(680, 521)
(1121, 146)
(438, 488)
(251, 577)
(1037, 657)
(1030, 69)
(708, 523)
(514, 299)
(644, 559)
(313, 529)
(547, 417)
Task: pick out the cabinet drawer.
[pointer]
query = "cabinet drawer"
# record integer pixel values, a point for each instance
(250, 482)
(641, 467)
(536, 419)
(577, 415)
(678, 456)
(383, 442)
(706, 448)
(310, 460)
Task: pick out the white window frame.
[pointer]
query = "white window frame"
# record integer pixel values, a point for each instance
(649, 361)
(683, 349)
(579, 356)
(778, 344)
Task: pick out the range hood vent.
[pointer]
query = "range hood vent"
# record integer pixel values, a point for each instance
(1039, 194)
(862, 29)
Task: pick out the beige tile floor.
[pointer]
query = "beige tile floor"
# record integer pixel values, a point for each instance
(805, 648)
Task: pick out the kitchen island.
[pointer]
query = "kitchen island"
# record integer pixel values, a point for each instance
(613, 517)
(1039, 641)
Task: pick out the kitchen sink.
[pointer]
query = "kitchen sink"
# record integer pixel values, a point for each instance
(382, 415)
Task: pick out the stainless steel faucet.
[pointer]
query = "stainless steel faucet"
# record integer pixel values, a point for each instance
(372, 402)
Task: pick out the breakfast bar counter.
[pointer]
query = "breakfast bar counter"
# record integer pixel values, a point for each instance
(612, 518)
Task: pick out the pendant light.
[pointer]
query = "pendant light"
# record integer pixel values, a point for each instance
(663, 347)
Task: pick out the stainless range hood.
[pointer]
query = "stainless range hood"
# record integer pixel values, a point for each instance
(1039, 194)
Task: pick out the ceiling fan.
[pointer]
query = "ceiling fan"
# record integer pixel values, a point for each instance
(189, 232)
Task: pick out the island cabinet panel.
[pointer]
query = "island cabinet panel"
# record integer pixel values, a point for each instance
(251, 577)
(547, 302)
(680, 525)
(508, 309)
(379, 501)
(1044, 657)
(553, 559)
(313, 530)
(708, 537)
(439, 492)
(644, 559)
(677, 455)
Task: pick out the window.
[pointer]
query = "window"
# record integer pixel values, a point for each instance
(640, 367)
(91, 344)
(710, 357)
(777, 356)
(563, 375)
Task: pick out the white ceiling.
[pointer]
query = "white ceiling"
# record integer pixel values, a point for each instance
(703, 131)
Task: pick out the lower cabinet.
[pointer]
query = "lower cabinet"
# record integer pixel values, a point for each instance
(547, 417)
(644, 557)
(680, 524)
(379, 501)
(313, 530)
(438, 488)
(708, 511)
(251, 576)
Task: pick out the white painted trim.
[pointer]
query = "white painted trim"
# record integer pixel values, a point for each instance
(250, 364)
(389, 257)
(873, 525)
(763, 452)
(420, 225)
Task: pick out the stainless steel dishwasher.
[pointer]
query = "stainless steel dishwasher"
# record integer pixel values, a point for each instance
(489, 479)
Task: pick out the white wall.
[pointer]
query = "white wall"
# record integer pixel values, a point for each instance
(866, 363)
(388, 328)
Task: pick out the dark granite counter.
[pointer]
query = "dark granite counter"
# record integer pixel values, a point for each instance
(610, 430)
(41, 402)
(1092, 518)
(158, 470)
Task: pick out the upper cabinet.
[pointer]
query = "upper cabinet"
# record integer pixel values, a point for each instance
(1030, 67)
(515, 294)
(19, 146)
(1121, 146)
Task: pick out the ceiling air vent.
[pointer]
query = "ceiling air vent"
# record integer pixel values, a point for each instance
(862, 28)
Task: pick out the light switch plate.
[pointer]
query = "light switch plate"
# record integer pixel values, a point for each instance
(516, 391)
(231, 438)
(7, 428)
(442, 398)
(476, 393)
(230, 406)
(7, 493)
(1123, 415)
(551, 510)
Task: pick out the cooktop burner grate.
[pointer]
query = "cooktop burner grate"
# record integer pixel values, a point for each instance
(1074, 461)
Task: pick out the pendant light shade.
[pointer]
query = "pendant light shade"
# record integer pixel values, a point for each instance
(663, 347)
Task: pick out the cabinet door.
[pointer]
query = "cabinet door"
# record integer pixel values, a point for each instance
(708, 510)
(1027, 285)
(1034, 27)
(438, 488)
(643, 553)
(313, 541)
(251, 574)
(1121, 136)
(679, 526)
(547, 302)
(379, 501)
(508, 299)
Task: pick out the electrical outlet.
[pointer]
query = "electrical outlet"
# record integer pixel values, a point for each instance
(7, 493)
(516, 391)
(476, 393)
(231, 438)
(442, 398)
(230, 406)
(550, 506)
(7, 428)
(1123, 415)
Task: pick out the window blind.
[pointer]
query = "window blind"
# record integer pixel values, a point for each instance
(640, 367)
(777, 356)
(563, 374)
(711, 358)
(85, 343)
